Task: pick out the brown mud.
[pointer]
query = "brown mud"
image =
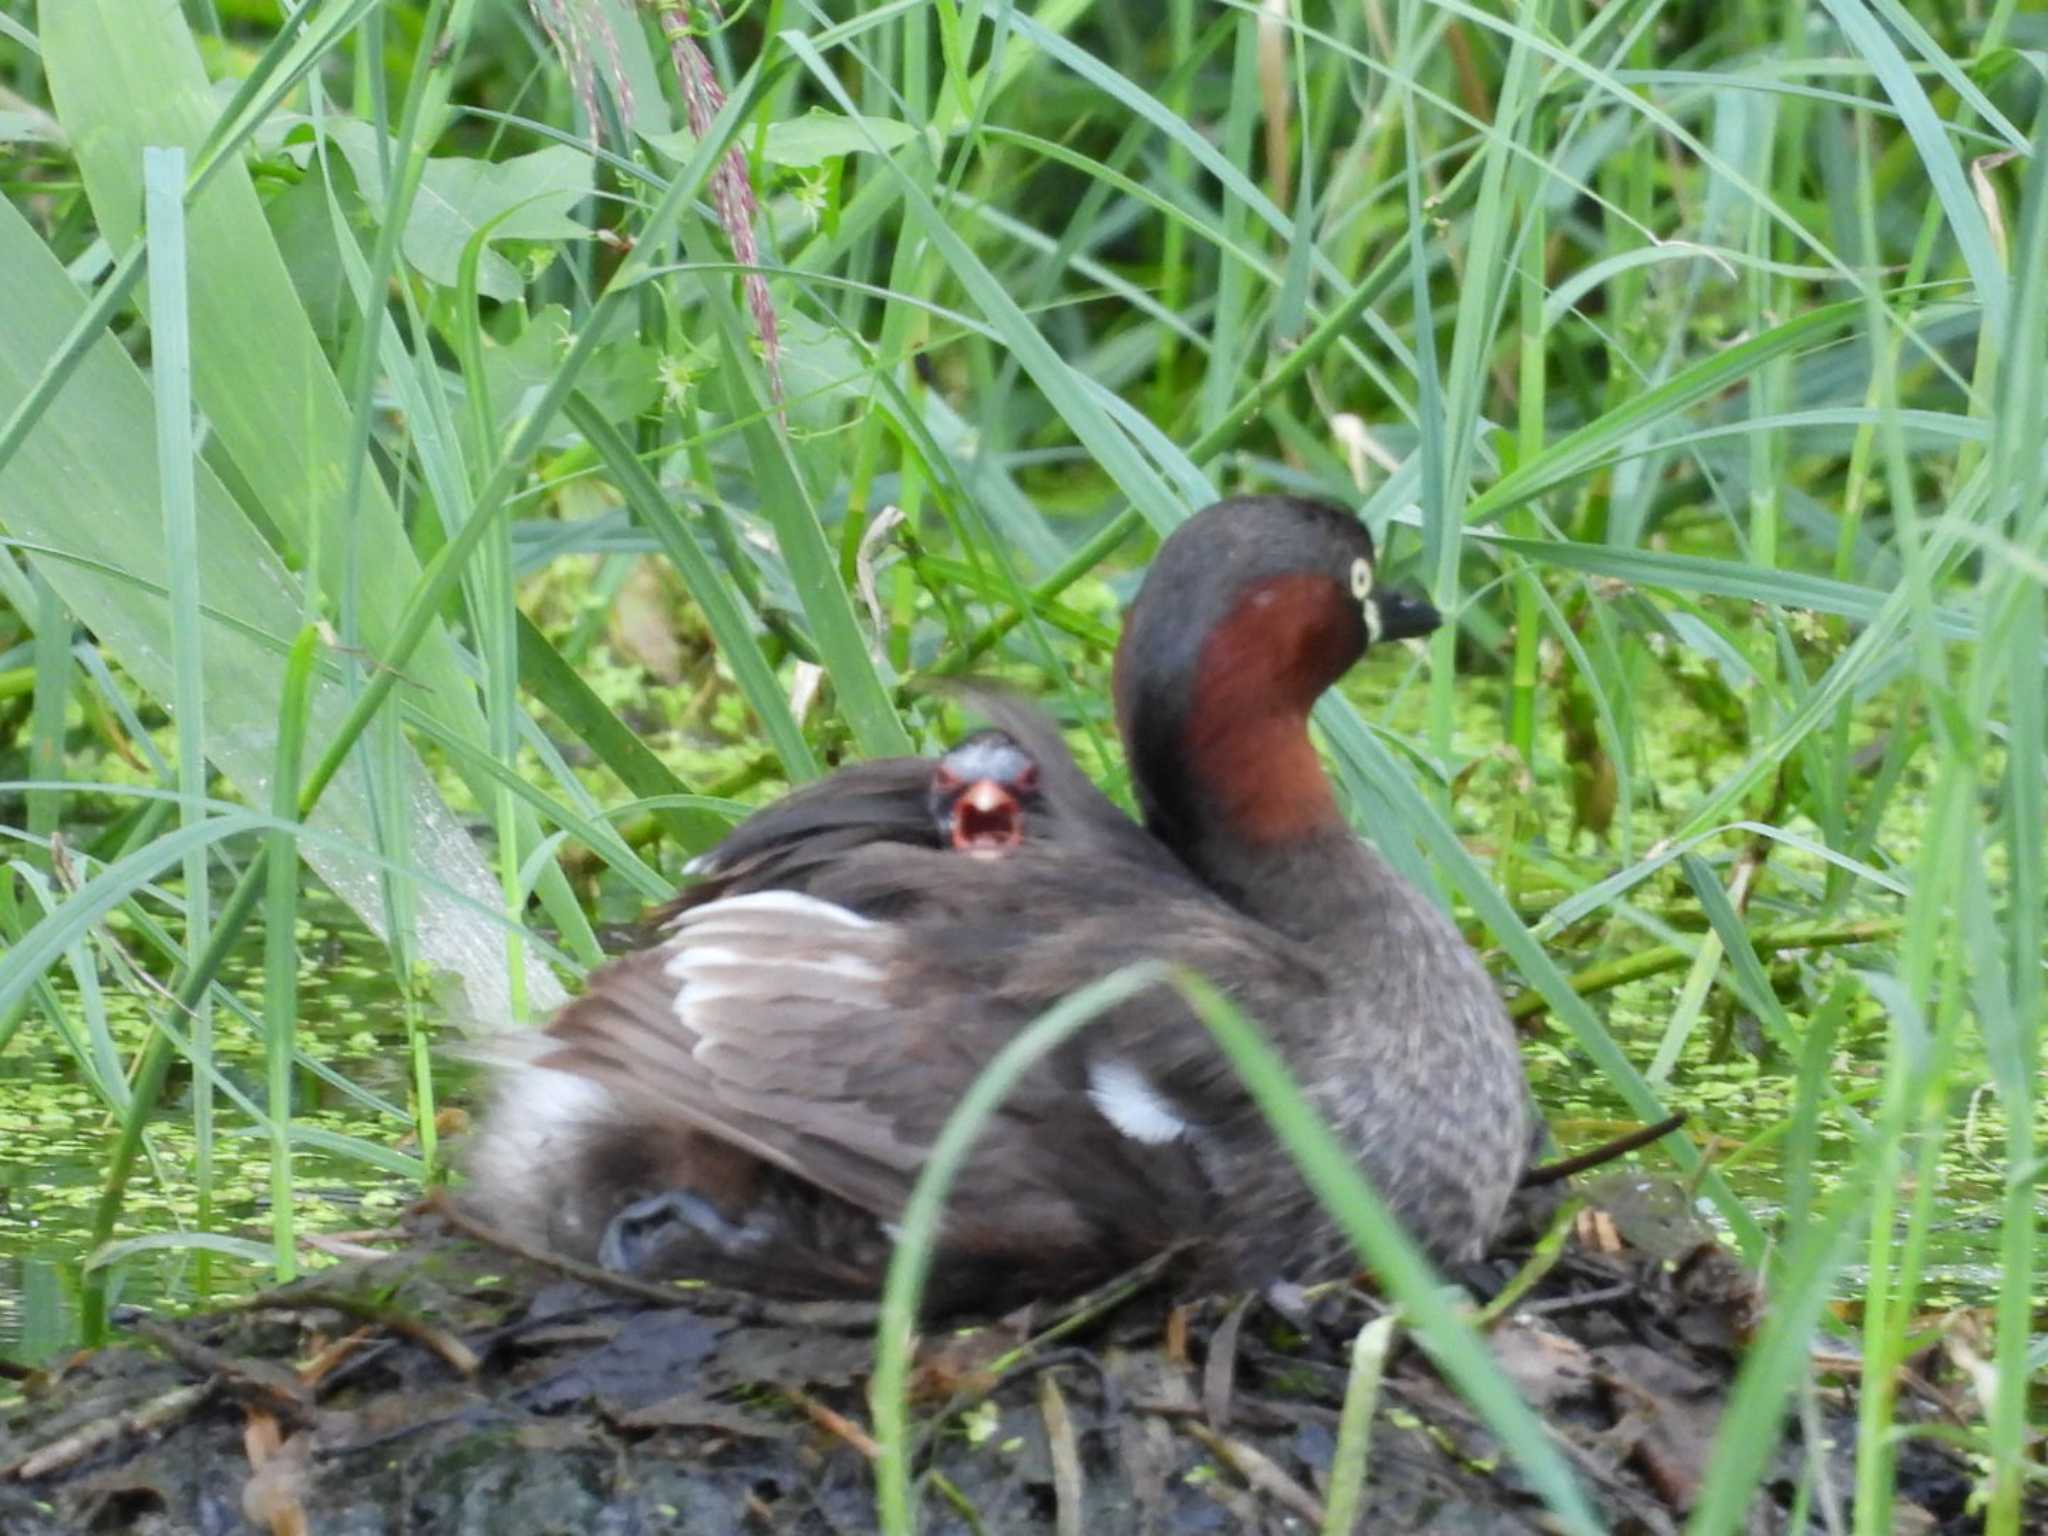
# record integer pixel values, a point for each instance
(451, 1388)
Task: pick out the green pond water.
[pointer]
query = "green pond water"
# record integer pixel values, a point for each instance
(56, 1136)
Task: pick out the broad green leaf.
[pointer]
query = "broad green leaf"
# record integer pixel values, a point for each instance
(812, 139)
(819, 135)
(123, 77)
(621, 378)
(529, 197)
(81, 496)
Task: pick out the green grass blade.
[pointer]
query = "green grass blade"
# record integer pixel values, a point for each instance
(715, 598)
(1354, 1426)
(1937, 157)
(557, 686)
(38, 949)
(163, 180)
(281, 950)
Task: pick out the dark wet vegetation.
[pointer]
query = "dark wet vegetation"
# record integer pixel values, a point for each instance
(454, 1387)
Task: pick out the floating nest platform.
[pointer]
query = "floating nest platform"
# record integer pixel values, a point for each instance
(450, 1387)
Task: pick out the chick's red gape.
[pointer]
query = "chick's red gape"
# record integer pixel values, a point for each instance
(983, 794)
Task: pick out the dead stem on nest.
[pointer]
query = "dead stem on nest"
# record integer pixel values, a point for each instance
(158, 1414)
(460, 1357)
(1606, 1152)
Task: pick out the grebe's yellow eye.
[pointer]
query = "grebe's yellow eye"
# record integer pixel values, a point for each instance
(1361, 578)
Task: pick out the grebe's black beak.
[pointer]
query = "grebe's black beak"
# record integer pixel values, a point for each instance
(1400, 616)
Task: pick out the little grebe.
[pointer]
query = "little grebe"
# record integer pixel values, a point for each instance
(751, 1099)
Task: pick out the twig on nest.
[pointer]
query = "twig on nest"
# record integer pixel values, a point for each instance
(1032, 1354)
(1064, 1448)
(1259, 1471)
(332, 1356)
(338, 1246)
(1606, 1152)
(1219, 1371)
(1177, 1333)
(1099, 1302)
(261, 1383)
(158, 1413)
(834, 1423)
(396, 1320)
(1552, 1305)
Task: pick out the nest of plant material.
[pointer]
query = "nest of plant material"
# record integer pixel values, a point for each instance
(454, 1388)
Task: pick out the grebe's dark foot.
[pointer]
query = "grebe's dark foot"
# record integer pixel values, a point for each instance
(650, 1228)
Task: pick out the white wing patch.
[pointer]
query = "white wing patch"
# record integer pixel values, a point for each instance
(1132, 1104)
(770, 904)
(769, 946)
(707, 971)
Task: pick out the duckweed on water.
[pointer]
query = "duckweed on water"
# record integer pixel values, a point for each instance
(55, 1130)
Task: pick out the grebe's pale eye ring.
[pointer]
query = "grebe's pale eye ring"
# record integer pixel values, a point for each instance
(1361, 578)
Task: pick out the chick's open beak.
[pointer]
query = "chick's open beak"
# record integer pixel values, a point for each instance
(987, 820)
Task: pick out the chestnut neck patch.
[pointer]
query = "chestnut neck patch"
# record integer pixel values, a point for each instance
(1259, 672)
